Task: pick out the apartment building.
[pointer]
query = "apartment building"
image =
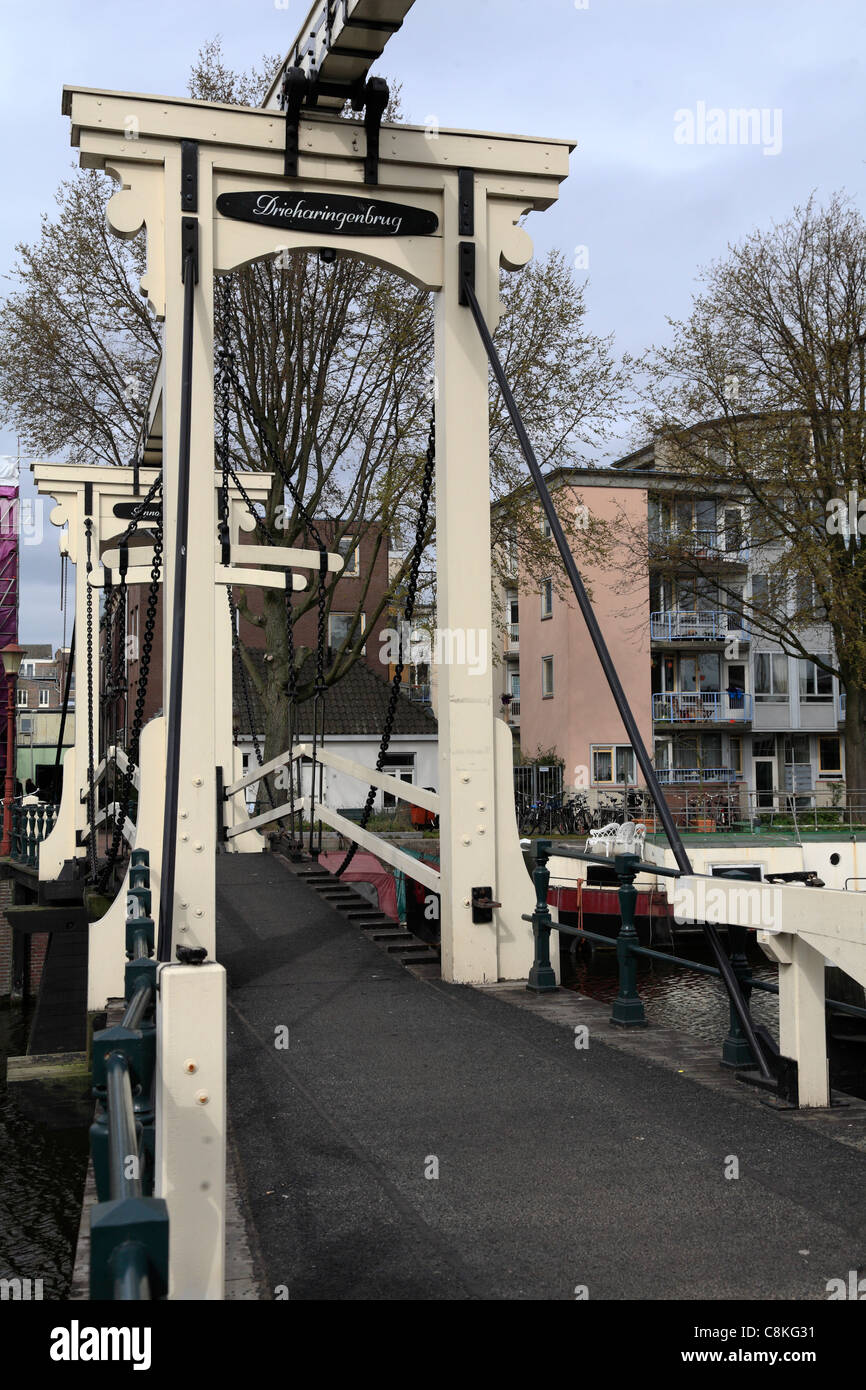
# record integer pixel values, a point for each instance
(39, 696)
(719, 705)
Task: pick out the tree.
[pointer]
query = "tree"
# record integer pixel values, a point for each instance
(333, 378)
(760, 398)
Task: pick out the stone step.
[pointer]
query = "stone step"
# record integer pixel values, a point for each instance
(396, 936)
(412, 949)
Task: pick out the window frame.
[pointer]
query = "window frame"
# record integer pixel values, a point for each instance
(547, 694)
(546, 592)
(612, 750)
(353, 548)
(44, 697)
(823, 771)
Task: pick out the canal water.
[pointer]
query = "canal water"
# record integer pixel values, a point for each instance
(697, 1004)
(43, 1161)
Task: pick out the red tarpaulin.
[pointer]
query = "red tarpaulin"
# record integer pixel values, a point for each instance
(365, 868)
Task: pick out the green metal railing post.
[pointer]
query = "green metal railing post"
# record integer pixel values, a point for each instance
(735, 1049)
(542, 976)
(628, 1010)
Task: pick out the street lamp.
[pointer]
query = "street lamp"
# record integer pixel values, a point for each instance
(12, 657)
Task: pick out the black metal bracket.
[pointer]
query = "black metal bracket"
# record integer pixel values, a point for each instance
(466, 192)
(296, 89)
(483, 904)
(377, 96)
(467, 271)
(189, 175)
(221, 799)
(124, 559)
(88, 499)
(189, 247)
(191, 955)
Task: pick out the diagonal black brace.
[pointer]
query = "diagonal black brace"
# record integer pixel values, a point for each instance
(732, 984)
(178, 633)
(377, 97)
(296, 89)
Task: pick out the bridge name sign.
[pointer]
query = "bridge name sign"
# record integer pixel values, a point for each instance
(328, 212)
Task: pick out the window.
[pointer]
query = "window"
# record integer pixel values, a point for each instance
(401, 766)
(733, 536)
(760, 591)
(771, 677)
(44, 697)
(547, 598)
(613, 763)
(350, 550)
(515, 687)
(340, 626)
(547, 677)
(829, 757)
(545, 527)
(28, 669)
(22, 697)
(816, 686)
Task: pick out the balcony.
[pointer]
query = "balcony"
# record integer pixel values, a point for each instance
(710, 547)
(514, 712)
(707, 707)
(512, 637)
(675, 625)
(419, 694)
(676, 776)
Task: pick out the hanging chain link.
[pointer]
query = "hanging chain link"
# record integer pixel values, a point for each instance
(228, 380)
(408, 614)
(133, 751)
(91, 807)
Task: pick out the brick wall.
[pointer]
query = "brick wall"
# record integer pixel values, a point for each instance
(30, 955)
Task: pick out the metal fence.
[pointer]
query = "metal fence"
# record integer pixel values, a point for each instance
(535, 782)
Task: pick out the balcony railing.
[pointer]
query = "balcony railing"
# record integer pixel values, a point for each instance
(707, 707)
(676, 625)
(715, 545)
(673, 776)
(513, 636)
(514, 712)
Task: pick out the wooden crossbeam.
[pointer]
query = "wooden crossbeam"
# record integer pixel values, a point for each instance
(404, 791)
(415, 868)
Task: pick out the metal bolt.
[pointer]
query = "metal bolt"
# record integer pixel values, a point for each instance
(199, 912)
(466, 840)
(190, 1066)
(481, 829)
(201, 1097)
(198, 846)
(196, 781)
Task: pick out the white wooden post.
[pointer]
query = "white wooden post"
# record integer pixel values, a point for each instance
(802, 1016)
(191, 1125)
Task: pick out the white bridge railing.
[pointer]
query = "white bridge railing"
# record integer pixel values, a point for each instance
(315, 808)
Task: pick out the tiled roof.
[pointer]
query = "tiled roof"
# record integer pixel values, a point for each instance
(38, 651)
(357, 705)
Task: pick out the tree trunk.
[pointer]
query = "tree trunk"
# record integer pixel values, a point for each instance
(855, 747)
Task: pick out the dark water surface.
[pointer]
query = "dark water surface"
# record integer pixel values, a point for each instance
(696, 1004)
(43, 1160)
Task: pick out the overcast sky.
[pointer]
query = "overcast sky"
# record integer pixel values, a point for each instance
(616, 75)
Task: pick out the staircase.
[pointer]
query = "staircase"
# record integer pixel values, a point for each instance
(389, 936)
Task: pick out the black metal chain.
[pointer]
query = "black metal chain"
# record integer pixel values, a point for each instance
(245, 688)
(133, 752)
(408, 614)
(227, 380)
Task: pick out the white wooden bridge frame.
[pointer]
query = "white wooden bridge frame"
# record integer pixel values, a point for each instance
(241, 150)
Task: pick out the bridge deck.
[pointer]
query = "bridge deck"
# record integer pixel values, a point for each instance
(557, 1167)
